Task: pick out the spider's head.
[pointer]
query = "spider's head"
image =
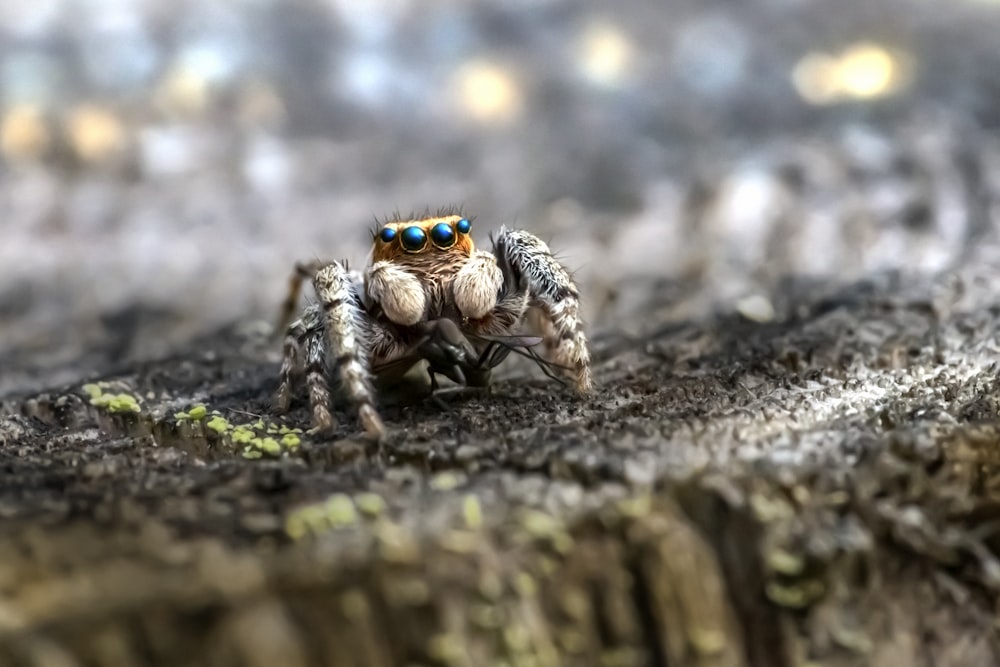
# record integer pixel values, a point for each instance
(432, 238)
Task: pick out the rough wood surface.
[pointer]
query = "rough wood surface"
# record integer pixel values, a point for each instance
(817, 485)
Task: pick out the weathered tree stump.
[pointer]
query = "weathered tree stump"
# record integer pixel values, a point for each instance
(817, 485)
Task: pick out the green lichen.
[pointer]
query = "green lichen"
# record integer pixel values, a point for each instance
(112, 397)
(196, 413)
(795, 596)
(485, 616)
(539, 524)
(92, 390)
(218, 424)
(472, 512)
(395, 543)
(445, 481)
(116, 403)
(636, 507)
(490, 586)
(263, 446)
(242, 435)
(124, 403)
(516, 638)
(575, 604)
(370, 504)
(337, 511)
(546, 528)
(268, 446)
(340, 510)
(784, 562)
(460, 542)
(310, 519)
(707, 641)
(447, 649)
(525, 584)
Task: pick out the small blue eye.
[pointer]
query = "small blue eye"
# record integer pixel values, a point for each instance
(443, 235)
(387, 234)
(463, 226)
(413, 239)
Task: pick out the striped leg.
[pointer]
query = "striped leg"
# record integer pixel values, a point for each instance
(527, 262)
(302, 272)
(334, 333)
(291, 363)
(345, 325)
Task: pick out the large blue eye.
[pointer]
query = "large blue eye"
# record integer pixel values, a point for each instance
(463, 226)
(413, 239)
(443, 235)
(387, 234)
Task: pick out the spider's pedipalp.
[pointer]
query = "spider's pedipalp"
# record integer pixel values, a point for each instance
(477, 285)
(399, 293)
(527, 262)
(346, 340)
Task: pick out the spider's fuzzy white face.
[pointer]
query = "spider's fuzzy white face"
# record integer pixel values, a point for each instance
(415, 269)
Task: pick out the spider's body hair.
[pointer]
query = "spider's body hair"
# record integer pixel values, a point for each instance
(394, 314)
(433, 268)
(531, 262)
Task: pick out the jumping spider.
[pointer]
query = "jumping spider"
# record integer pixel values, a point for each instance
(428, 294)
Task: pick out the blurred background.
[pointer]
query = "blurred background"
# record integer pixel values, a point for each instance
(165, 162)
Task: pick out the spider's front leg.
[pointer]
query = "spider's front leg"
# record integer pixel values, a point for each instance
(334, 333)
(526, 261)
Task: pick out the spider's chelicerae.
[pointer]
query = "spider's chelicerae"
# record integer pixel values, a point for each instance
(429, 294)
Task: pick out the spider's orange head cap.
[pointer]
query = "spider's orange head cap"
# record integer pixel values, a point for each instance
(441, 235)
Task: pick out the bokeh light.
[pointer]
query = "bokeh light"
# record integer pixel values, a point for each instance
(862, 71)
(23, 133)
(605, 54)
(488, 92)
(95, 132)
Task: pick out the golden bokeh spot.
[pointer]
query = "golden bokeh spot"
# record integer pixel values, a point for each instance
(24, 134)
(183, 91)
(862, 71)
(488, 92)
(95, 132)
(867, 70)
(604, 53)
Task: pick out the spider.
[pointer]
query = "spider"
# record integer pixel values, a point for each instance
(429, 295)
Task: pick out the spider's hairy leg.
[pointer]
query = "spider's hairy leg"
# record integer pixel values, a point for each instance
(477, 285)
(526, 260)
(303, 271)
(347, 341)
(399, 293)
(291, 362)
(306, 335)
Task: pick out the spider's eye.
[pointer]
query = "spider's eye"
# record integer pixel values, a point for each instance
(463, 226)
(443, 235)
(413, 239)
(387, 234)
